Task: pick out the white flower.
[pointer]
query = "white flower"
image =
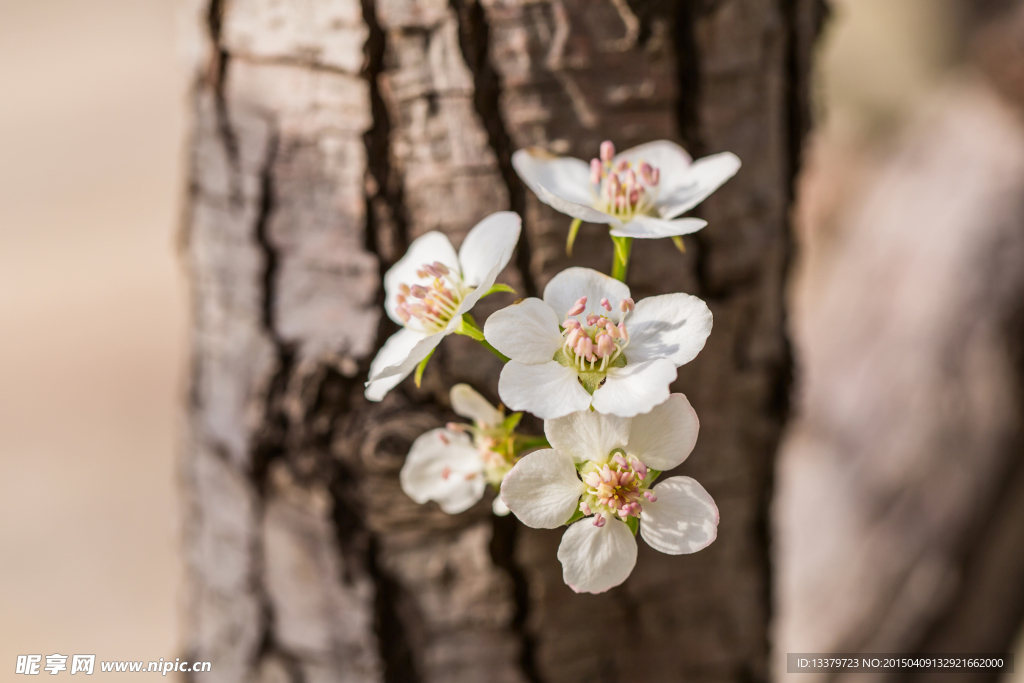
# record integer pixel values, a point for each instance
(639, 192)
(430, 289)
(453, 465)
(603, 466)
(604, 353)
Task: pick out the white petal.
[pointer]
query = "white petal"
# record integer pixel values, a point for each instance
(443, 466)
(548, 390)
(392, 363)
(543, 489)
(491, 241)
(595, 559)
(673, 326)
(565, 288)
(562, 183)
(636, 388)
(470, 300)
(664, 437)
(702, 178)
(433, 246)
(469, 404)
(526, 331)
(498, 507)
(670, 159)
(587, 435)
(648, 227)
(683, 520)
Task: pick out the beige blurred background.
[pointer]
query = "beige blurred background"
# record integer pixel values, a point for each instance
(91, 327)
(92, 297)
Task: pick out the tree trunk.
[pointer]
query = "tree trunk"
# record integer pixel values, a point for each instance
(329, 134)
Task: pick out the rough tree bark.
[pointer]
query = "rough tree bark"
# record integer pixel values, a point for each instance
(329, 134)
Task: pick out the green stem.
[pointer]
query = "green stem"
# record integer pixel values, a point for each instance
(620, 262)
(469, 328)
(573, 231)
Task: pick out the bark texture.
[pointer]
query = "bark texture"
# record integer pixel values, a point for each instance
(329, 134)
(899, 506)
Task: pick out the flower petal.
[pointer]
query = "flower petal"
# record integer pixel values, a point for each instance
(565, 288)
(470, 299)
(595, 559)
(491, 241)
(702, 178)
(587, 435)
(683, 520)
(562, 183)
(443, 466)
(469, 404)
(548, 390)
(649, 227)
(498, 507)
(433, 246)
(672, 161)
(673, 326)
(526, 332)
(664, 437)
(636, 388)
(399, 356)
(543, 489)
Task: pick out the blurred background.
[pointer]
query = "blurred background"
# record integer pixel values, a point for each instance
(909, 187)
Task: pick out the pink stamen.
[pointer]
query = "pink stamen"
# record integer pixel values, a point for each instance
(584, 347)
(626, 305)
(595, 172)
(573, 338)
(607, 151)
(579, 307)
(446, 472)
(599, 521)
(444, 437)
(606, 305)
(649, 495)
(605, 345)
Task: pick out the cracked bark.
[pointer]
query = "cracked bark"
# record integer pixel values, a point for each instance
(326, 136)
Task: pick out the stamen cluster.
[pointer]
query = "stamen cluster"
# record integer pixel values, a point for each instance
(430, 308)
(615, 488)
(623, 189)
(596, 339)
(496, 447)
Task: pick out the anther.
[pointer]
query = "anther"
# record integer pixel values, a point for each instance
(595, 172)
(607, 151)
(606, 305)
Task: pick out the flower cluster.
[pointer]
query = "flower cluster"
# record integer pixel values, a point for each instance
(586, 358)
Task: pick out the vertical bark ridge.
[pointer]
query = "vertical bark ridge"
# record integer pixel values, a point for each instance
(503, 546)
(475, 42)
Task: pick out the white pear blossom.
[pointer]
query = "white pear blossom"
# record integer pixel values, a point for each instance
(601, 468)
(587, 344)
(639, 192)
(453, 465)
(429, 290)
